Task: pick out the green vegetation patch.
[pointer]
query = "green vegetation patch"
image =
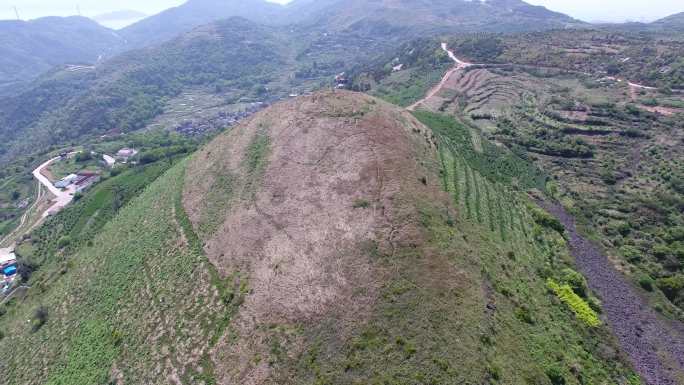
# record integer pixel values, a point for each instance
(139, 301)
(495, 163)
(256, 160)
(578, 306)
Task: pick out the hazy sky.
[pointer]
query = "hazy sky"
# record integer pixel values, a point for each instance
(590, 10)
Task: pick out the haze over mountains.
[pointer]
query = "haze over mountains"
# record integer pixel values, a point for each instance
(36, 46)
(338, 192)
(29, 48)
(317, 31)
(119, 19)
(79, 41)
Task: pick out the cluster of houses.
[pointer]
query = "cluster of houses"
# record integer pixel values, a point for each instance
(80, 181)
(8, 269)
(83, 180)
(341, 81)
(208, 123)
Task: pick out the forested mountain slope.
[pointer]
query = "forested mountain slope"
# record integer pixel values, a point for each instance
(332, 238)
(29, 48)
(237, 57)
(572, 104)
(412, 18)
(175, 21)
(124, 93)
(673, 22)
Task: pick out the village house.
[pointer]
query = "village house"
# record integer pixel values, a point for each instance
(8, 269)
(126, 153)
(66, 181)
(85, 179)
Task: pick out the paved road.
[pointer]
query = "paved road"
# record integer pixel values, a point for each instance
(62, 198)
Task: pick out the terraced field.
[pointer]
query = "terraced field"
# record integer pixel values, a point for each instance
(613, 161)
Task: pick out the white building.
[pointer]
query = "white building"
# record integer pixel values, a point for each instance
(66, 181)
(126, 153)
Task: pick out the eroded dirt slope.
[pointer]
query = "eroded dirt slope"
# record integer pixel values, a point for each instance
(293, 198)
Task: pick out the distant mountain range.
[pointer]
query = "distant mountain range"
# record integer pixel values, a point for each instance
(174, 21)
(28, 48)
(424, 16)
(673, 22)
(119, 19)
(391, 18)
(305, 41)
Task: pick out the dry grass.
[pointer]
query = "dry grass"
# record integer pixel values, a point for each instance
(299, 238)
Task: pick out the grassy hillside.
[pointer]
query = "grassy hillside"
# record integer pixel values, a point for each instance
(137, 301)
(392, 257)
(612, 149)
(440, 290)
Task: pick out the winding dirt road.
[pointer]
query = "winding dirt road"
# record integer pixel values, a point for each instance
(39, 195)
(62, 197)
(655, 345)
(460, 65)
(61, 200)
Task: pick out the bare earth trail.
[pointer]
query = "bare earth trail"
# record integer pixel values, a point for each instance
(61, 200)
(655, 345)
(39, 194)
(460, 65)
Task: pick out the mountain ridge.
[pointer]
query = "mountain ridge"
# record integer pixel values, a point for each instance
(32, 47)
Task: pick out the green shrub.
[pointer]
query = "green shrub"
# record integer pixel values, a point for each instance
(524, 314)
(547, 220)
(83, 156)
(675, 234)
(64, 241)
(361, 204)
(556, 375)
(594, 304)
(661, 251)
(646, 282)
(671, 286)
(578, 306)
(40, 317)
(494, 372)
(631, 253)
(576, 281)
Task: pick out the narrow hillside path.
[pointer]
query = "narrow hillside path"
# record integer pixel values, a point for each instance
(460, 65)
(654, 344)
(27, 213)
(45, 186)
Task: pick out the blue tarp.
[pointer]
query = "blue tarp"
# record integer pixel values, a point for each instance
(10, 270)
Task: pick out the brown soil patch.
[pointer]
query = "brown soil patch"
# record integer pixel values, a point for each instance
(666, 111)
(339, 169)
